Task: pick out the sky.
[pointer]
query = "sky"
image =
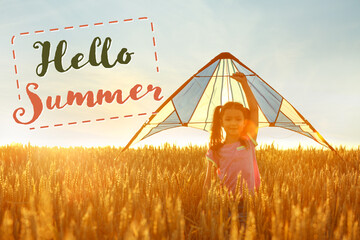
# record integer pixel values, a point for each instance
(306, 50)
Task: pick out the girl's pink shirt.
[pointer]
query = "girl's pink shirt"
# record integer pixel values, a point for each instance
(235, 159)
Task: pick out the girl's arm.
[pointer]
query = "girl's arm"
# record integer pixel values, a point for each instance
(254, 118)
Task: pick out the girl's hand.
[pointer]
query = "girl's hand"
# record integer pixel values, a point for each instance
(253, 105)
(239, 76)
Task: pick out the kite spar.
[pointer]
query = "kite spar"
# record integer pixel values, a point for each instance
(193, 104)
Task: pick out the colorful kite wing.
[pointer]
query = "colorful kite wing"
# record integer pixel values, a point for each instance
(193, 104)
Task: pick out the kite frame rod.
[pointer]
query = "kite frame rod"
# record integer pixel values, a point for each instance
(225, 75)
(298, 123)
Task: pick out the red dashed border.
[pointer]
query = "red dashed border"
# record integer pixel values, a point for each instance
(96, 120)
(84, 26)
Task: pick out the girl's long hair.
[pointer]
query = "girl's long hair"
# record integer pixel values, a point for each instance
(216, 137)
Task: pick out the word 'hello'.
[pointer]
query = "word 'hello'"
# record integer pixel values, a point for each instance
(61, 48)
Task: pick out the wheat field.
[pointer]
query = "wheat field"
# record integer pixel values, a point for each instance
(156, 193)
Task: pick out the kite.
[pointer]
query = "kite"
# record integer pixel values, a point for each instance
(193, 104)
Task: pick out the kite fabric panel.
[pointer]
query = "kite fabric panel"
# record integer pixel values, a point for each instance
(193, 104)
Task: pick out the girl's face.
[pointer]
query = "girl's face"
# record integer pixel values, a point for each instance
(233, 122)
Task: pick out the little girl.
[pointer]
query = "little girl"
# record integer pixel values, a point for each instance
(235, 154)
